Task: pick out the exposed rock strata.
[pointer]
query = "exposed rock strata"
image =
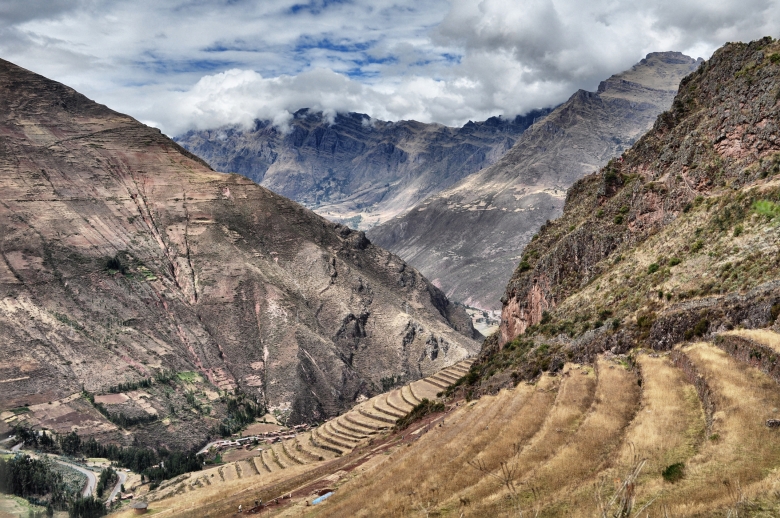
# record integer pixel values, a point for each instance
(124, 255)
(354, 169)
(468, 238)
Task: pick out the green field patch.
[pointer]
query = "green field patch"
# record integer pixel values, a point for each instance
(189, 377)
(20, 410)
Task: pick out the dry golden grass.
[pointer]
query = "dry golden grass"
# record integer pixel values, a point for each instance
(744, 451)
(435, 474)
(586, 450)
(432, 466)
(762, 336)
(666, 429)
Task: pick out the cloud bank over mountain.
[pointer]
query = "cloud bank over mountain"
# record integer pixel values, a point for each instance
(197, 63)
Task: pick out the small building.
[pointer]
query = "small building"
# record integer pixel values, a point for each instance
(139, 507)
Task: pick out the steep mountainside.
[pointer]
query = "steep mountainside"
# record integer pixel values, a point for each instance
(353, 169)
(469, 237)
(676, 239)
(124, 257)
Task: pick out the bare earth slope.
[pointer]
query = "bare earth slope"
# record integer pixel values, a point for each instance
(353, 169)
(468, 238)
(209, 272)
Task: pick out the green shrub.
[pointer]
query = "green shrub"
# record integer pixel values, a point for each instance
(774, 58)
(618, 219)
(652, 268)
(599, 213)
(767, 208)
(645, 320)
(738, 230)
(524, 266)
(698, 245)
(674, 261)
(624, 209)
(674, 473)
(114, 264)
(698, 330)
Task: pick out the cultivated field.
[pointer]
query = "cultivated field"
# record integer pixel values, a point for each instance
(677, 433)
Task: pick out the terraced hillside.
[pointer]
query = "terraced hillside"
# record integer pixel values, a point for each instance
(309, 454)
(676, 433)
(681, 432)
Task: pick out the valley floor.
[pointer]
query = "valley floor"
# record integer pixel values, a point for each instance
(678, 433)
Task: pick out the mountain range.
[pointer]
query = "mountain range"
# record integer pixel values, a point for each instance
(126, 261)
(469, 237)
(351, 168)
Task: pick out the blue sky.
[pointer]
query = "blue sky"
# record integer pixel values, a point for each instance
(199, 63)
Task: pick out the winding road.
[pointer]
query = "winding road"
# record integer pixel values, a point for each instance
(122, 477)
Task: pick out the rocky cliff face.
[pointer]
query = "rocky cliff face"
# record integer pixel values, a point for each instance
(676, 239)
(125, 256)
(353, 169)
(468, 238)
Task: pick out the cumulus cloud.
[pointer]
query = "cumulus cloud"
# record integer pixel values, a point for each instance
(201, 63)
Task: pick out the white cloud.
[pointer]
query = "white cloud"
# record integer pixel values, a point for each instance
(200, 63)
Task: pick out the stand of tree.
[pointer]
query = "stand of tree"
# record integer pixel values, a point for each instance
(87, 507)
(240, 412)
(156, 465)
(108, 478)
(27, 477)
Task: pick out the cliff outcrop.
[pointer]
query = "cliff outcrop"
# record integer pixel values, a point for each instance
(675, 239)
(126, 258)
(468, 238)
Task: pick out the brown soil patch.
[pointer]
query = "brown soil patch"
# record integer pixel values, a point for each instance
(257, 428)
(111, 399)
(239, 454)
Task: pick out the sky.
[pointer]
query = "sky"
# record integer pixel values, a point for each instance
(198, 64)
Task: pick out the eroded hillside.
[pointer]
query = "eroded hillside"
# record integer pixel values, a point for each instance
(125, 258)
(469, 237)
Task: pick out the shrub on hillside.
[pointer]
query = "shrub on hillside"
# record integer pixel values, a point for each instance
(674, 472)
(424, 408)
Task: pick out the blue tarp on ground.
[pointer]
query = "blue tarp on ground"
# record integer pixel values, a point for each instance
(321, 499)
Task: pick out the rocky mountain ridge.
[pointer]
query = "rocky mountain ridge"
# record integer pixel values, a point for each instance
(675, 239)
(468, 238)
(126, 258)
(353, 169)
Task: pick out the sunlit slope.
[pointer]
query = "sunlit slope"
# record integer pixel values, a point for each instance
(564, 445)
(307, 455)
(680, 433)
